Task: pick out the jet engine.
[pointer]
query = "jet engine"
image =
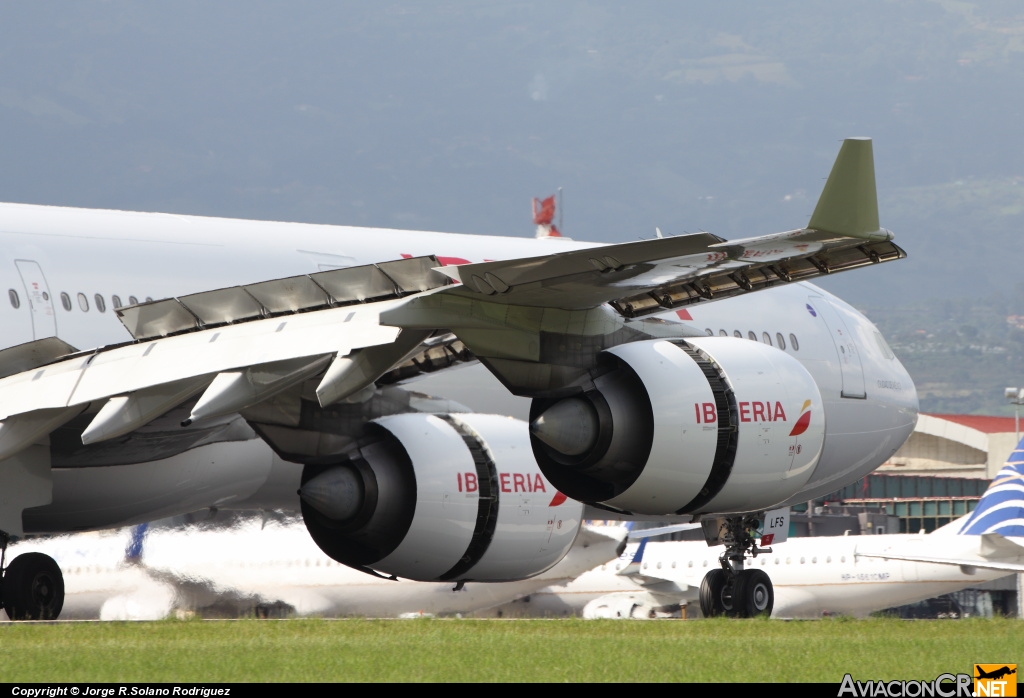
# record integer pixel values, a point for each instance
(711, 424)
(440, 498)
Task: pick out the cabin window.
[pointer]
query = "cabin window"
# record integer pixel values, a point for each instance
(723, 333)
(65, 300)
(690, 563)
(802, 561)
(705, 563)
(132, 300)
(814, 560)
(842, 559)
(793, 343)
(15, 301)
(752, 336)
(828, 559)
(149, 299)
(709, 332)
(101, 305)
(658, 565)
(737, 334)
(776, 561)
(115, 301)
(673, 564)
(780, 342)
(83, 302)
(767, 338)
(788, 560)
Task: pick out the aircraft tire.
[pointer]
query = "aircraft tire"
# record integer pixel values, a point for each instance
(33, 588)
(711, 588)
(753, 594)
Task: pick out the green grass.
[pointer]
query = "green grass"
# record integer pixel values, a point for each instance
(504, 650)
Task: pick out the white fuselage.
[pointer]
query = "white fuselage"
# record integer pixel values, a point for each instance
(812, 577)
(254, 567)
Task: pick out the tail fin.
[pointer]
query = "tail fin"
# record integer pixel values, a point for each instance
(1001, 508)
(133, 553)
(848, 204)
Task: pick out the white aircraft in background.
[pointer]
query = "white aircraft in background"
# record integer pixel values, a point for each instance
(672, 377)
(816, 576)
(254, 567)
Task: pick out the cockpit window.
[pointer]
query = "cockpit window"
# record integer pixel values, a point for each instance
(884, 346)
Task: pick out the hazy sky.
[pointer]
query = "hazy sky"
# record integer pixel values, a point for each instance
(452, 115)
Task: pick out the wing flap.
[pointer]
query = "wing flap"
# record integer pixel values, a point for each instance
(191, 358)
(326, 289)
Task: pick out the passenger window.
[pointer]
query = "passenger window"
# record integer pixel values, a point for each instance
(149, 299)
(690, 563)
(723, 333)
(781, 342)
(658, 565)
(737, 334)
(767, 338)
(101, 305)
(15, 301)
(83, 302)
(65, 300)
(752, 336)
(828, 559)
(801, 561)
(132, 300)
(793, 343)
(709, 332)
(115, 301)
(814, 560)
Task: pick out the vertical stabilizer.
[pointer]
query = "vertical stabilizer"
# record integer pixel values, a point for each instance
(1001, 508)
(849, 203)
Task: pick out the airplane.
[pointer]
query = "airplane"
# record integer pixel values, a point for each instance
(670, 378)
(221, 568)
(816, 576)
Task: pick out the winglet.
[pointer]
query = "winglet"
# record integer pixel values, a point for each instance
(849, 203)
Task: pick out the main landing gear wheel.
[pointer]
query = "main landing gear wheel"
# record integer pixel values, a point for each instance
(753, 594)
(711, 588)
(743, 594)
(33, 588)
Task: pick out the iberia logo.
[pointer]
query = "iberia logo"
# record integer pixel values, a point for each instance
(804, 421)
(995, 680)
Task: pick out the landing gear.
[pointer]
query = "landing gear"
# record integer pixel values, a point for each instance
(732, 590)
(32, 587)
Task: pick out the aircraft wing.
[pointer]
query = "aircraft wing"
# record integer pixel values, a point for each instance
(995, 552)
(638, 278)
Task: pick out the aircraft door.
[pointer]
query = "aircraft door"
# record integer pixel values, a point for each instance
(846, 347)
(40, 301)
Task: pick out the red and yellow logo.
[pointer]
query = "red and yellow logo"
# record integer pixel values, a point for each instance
(803, 421)
(995, 680)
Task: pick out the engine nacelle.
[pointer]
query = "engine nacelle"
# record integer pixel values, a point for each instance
(706, 425)
(441, 498)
